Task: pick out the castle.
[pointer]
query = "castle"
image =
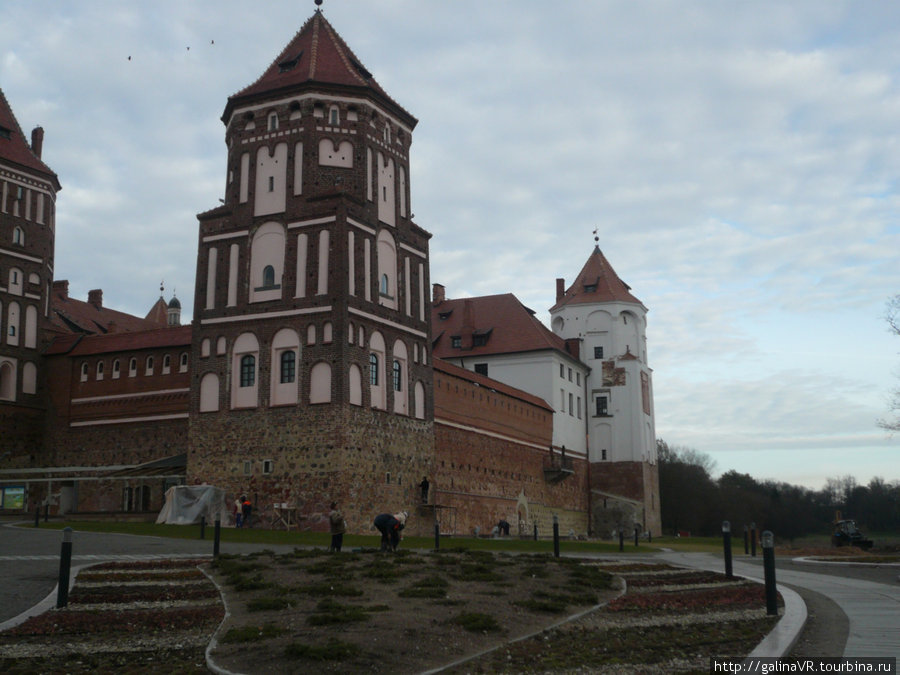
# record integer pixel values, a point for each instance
(321, 363)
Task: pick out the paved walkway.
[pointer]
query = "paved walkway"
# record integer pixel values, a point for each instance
(873, 608)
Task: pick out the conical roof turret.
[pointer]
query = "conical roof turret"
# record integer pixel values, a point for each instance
(597, 282)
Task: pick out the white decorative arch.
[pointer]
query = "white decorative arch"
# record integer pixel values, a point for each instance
(400, 377)
(419, 395)
(7, 380)
(271, 180)
(209, 393)
(31, 318)
(285, 369)
(387, 270)
(267, 262)
(355, 385)
(12, 324)
(245, 390)
(29, 378)
(320, 383)
(338, 154)
(377, 372)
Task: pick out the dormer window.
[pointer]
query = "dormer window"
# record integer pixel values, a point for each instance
(289, 64)
(443, 316)
(456, 342)
(273, 121)
(590, 288)
(4, 132)
(334, 116)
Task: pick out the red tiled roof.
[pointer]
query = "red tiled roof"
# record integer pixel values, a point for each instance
(316, 54)
(121, 342)
(597, 282)
(509, 327)
(443, 366)
(68, 315)
(16, 148)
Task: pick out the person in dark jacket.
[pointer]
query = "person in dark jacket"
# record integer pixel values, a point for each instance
(246, 510)
(390, 525)
(337, 526)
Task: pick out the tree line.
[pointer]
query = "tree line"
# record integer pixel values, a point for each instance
(691, 500)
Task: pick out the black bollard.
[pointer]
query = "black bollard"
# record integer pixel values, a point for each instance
(768, 547)
(65, 566)
(203, 527)
(746, 540)
(753, 539)
(37, 516)
(46, 512)
(621, 539)
(217, 533)
(637, 533)
(726, 543)
(649, 537)
(535, 530)
(555, 536)
(437, 536)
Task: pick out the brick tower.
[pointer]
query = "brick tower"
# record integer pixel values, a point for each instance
(312, 379)
(610, 323)
(27, 227)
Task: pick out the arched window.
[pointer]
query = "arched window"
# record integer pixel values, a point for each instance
(132, 367)
(273, 121)
(248, 370)
(84, 372)
(398, 376)
(355, 385)
(320, 383)
(204, 347)
(99, 370)
(149, 369)
(167, 364)
(384, 286)
(267, 262)
(334, 116)
(18, 236)
(183, 365)
(7, 381)
(268, 276)
(288, 367)
(116, 369)
(373, 369)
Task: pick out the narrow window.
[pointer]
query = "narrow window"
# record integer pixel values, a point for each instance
(384, 286)
(373, 369)
(571, 412)
(149, 370)
(248, 370)
(116, 369)
(598, 352)
(268, 466)
(562, 370)
(84, 372)
(398, 376)
(288, 367)
(248, 467)
(602, 403)
(603, 454)
(183, 366)
(268, 276)
(334, 116)
(18, 236)
(99, 370)
(167, 364)
(132, 367)
(273, 121)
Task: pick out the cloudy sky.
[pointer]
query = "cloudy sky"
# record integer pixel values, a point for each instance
(740, 161)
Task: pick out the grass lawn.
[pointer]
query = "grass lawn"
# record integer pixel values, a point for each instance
(322, 539)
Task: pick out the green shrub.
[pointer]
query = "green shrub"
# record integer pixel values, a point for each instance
(326, 589)
(333, 650)
(476, 622)
(328, 612)
(251, 633)
(268, 604)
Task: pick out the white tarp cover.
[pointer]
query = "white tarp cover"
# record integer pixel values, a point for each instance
(186, 504)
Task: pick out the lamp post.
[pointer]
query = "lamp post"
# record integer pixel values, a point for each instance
(726, 544)
(768, 547)
(753, 540)
(65, 566)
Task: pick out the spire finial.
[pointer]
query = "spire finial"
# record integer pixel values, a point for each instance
(596, 238)
(318, 4)
(162, 288)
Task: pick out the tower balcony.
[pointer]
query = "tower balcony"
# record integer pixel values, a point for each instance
(558, 467)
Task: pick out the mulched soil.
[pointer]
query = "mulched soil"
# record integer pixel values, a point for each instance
(370, 612)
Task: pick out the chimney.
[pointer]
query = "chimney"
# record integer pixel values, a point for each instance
(560, 289)
(37, 141)
(437, 294)
(61, 288)
(95, 298)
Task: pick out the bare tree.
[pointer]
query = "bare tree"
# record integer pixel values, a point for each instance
(892, 316)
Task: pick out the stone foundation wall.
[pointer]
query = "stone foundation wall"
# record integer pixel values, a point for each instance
(368, 461)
